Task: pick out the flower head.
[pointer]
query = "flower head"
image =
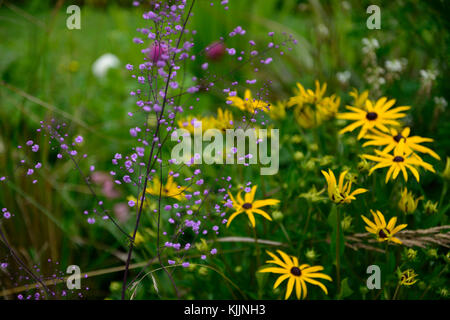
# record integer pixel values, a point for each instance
(407, 203)
(383, 231)
(393, 138)
(250, 206)
(248, 104)
(311, 108)
(408, 277)
(399, 161)
(170, 189)
(298, 275)
(340, 192)
(376, 115)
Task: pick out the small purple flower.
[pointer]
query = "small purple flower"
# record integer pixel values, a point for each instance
(79, 139)
(131, 203)
(35, 148)
(213, 251)
(91, 220)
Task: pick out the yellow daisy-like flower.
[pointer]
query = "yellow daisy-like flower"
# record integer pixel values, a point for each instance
(170, 189)
(397, 162)
(248, 104)
(278, 111)
(298, 275)
(224, 120)
(393, 138)
(383, 231)
(376, 115)
(250, 206)
(190, 123)
(340, 192)
(312, 107)
(359, 99)
(408, 277)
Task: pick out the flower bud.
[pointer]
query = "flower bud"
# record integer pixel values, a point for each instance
(407, 202)
(430, 207)
(277, 216)
(215, 51)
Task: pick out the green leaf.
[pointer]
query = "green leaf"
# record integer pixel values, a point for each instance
(346, 291)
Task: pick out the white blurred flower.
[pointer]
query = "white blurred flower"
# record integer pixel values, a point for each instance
(323, 30)
(370, 45)
(105, 62)
(344, 76)
(428, 75)
(441, 103)
(394, 66)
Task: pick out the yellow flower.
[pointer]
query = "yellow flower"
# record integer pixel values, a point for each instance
(381, 230)
(138, 239)
(250, 206)
(393, 138)
(311, 107)
(446, 172)
(278, 110)
(408, 277)
(298, 275)
(340, 192)
(170, 189)
(359, 99)
(224, 120)
(397, 162)
(407, 203)
(376, 115)
(190, 123)
(248, 103)
(430, 207)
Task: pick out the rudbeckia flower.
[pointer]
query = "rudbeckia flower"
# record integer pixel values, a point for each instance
(248, 103)
(340, 192)
(298, 275)
(383, 231)
(359, 100)
(312, 107)
(170, 189)
(408, 277)
(397, 162)
(250, 206)
(376, 115)
(393, 138)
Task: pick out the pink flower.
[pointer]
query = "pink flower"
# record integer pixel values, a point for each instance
(215, 51)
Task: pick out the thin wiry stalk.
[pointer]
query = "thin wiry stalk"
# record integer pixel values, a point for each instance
(149, 166)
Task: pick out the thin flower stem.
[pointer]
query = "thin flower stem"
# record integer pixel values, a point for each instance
(149, 166)
(338, 258)
(396, 291)
(21, 263)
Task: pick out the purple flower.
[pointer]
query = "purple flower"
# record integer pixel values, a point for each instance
(131, 203)
(79, 139)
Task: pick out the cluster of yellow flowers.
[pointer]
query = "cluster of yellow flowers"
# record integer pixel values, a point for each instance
(311, 108)
(223, 121)
(380, 126)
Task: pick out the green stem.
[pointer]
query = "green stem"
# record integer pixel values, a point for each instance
(396, 291)
(338, 248)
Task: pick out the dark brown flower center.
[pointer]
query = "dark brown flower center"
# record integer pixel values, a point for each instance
(398, 137)
(247, 206)
(398, 159)
(296, 271)
(371, 116)
(382, 234)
